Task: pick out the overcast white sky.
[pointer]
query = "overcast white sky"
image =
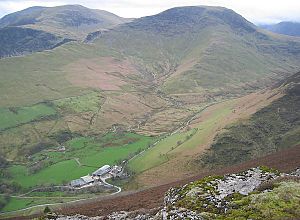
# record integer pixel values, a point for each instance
(257, 11)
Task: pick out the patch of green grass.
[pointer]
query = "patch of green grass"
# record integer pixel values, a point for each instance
(117, 149)
(22, 203)
(10, 117)
(58, 173)
(158, 154)
(83, 103)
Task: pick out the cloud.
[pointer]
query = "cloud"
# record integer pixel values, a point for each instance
(257, 11)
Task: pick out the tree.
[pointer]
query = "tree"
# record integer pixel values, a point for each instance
(179, 143)
(47, 210)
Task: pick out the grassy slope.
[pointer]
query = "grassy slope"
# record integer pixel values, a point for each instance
(10, 118)
(41, 76)
(173, 146)
(272, 128)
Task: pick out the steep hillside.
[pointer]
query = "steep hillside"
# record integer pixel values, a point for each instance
(274, 127)
(287, 28)
(16, 41)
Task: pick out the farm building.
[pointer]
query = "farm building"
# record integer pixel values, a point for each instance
(102, 170)
(77, 183)
(87, 179)
(115, 170)
(82, 181)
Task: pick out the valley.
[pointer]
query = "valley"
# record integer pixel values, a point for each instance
(165, 100)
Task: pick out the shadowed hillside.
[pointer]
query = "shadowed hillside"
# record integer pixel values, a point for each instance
(20, 41)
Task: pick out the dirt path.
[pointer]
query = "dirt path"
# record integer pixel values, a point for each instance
(119, 189)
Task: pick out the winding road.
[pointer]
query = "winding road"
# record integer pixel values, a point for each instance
(119, 189)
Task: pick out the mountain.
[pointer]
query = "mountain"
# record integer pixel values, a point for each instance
(287, 28)
(41, 28)
(72, 21)
(190, 49)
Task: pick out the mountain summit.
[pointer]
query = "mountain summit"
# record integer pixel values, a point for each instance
(191, 18)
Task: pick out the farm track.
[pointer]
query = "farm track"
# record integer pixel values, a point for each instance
(284, 160)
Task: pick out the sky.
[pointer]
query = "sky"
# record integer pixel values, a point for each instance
(256, 11)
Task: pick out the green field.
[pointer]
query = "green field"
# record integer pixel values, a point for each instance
(11, 117)
(158, 154)
(21, 203)
(91, 152)
(84, 103)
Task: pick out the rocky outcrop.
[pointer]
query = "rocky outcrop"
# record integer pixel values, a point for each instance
(217, 197)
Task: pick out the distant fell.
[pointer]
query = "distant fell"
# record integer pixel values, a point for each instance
(72, 21)
(286, 28)
(41, 28)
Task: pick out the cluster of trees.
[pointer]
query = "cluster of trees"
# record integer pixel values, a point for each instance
(3, 201)
(3, 162)
(7, 187)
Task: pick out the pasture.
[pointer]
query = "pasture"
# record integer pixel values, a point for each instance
(90, 152)
(11, 117)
